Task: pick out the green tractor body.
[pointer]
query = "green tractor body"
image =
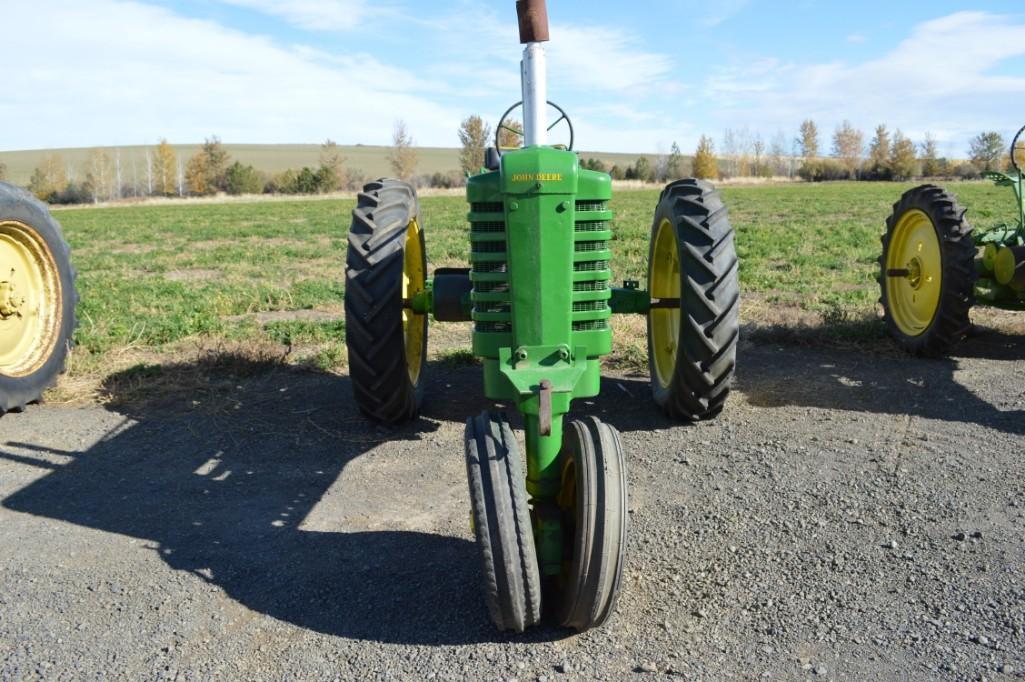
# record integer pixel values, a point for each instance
(540, 230)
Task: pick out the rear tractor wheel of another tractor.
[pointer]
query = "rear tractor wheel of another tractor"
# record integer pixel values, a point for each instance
(694, 320)
(37, 299)
(386, 269)
(927, 271)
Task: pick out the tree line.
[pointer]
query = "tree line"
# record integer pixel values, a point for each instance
(164, 172)
(886, 156)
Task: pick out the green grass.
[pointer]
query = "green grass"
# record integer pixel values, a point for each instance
(156, 279)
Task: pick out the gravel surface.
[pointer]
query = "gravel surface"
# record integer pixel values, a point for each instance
(849, 516)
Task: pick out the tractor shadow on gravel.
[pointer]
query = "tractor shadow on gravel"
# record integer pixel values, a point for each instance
(774, 375)
(218, 465)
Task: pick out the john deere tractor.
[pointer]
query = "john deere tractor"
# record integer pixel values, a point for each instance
(538, 293)
(37, 299)
(935, 267)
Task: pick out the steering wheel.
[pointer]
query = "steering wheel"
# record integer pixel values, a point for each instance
(503, 125)
(1018, 151)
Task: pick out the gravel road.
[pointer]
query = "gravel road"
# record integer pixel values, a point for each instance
(850, 516)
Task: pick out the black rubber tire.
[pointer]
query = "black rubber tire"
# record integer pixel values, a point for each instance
(17, 391)
(951, 323)
(501, 521)
(597, 543)
(706, 356)
(373, 302)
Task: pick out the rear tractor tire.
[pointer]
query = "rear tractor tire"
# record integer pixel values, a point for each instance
(37, 299)
(692, 349)
(927, 272)
(386, 267)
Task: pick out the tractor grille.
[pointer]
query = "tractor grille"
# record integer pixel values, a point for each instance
(488, 227)
(488, 263)
(489, 247)
(591, 266)
(591, 275)
(591, 326)
(591, 246)
(489, 207)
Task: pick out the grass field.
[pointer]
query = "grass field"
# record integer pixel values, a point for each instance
(160, 283)
(268, 158)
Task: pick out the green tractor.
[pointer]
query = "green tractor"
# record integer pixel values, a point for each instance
(37, 299)
(935, 267)
(538, 292)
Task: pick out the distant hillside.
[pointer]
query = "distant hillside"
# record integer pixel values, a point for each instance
(269, 158)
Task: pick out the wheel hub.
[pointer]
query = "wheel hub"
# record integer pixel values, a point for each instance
(915, 273)
(10, 304)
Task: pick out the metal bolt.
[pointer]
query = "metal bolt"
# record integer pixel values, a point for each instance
(563, 354)
(521, 354)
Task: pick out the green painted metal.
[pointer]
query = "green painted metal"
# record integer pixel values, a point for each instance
(987, 290)
(540, 232)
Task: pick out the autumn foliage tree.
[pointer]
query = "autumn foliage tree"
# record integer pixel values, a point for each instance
(165, 170)
(706, 167)
(808, 140)
(207, 170)
(49, 178)
(474, 136)
(903, 158)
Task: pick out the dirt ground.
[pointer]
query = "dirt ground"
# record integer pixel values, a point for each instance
(851, 515)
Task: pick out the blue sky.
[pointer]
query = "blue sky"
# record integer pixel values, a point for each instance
(634, 76)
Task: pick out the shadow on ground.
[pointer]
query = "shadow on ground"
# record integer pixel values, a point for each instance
(219, 479)
(218, 462)
(878, 378)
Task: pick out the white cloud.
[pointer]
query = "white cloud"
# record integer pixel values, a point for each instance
(312, 15)
(152, 73)
(856, 39)
(940, 79)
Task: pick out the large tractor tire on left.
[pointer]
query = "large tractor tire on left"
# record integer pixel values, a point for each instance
(386, 267)
(37, 299)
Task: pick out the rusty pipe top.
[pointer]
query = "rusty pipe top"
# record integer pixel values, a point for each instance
(533, 15)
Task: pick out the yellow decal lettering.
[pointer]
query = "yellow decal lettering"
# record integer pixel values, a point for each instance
(537, 177)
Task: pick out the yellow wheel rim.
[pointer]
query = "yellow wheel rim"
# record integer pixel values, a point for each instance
(30, 300)
(664, 323)
(915, 296)
(413, 283)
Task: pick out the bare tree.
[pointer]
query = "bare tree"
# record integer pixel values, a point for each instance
(403, 157)
(931, 165)
(848, 145)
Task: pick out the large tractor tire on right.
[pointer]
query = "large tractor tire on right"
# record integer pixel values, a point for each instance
(37, 299)
(386, 267)
(927, 272)
(694, 322)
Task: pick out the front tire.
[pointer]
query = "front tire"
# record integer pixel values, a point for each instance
(37, 299)
(593, 501)
(927, 272)
(692, 349)
(386, 267)
(501, 523)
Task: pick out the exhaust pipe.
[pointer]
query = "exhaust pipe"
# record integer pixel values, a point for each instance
(533, 17)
